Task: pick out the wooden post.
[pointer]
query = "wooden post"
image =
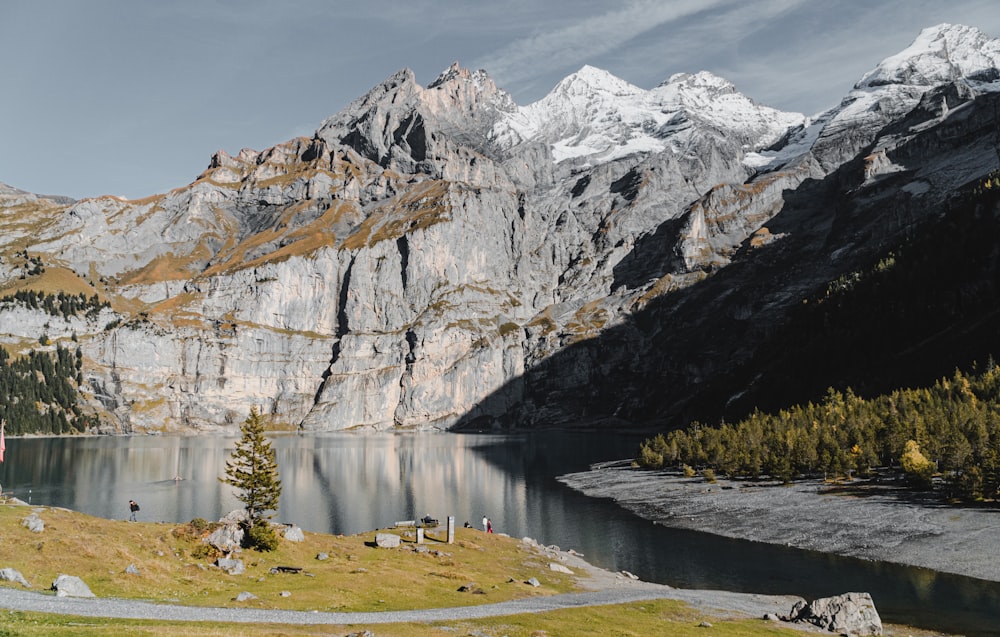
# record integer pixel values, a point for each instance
(451, 529)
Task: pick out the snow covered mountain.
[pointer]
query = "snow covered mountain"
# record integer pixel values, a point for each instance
(594, 117)
(439, 256)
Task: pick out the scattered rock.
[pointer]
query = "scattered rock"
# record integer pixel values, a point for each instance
(322, 556)
(286, 593)
(235, 518)
(33, 523)
(471, 588)
(559, 568)
(71, 586)
(852, 613)
(533, 582)
(12, 575)
(387, 540)
(704, 625)
(420, 548)
(363, 633)
(771, 617)
(629, 575)
(230, 565)
(244, 596)
(294, 534)
(131, 569)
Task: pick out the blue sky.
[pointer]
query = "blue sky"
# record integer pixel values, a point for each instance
(132, 97)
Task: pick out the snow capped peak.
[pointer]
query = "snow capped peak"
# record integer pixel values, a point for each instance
(595, 115)
(590, 80)
(940, 54)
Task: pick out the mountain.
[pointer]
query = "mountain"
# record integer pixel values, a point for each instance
(440, 257)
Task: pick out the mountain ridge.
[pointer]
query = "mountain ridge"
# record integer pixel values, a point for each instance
(430, 252)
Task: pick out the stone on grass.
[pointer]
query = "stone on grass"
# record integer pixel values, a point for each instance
(559, 568)
(226, 538)
(286, 593)
(387, 540)
(231, 566)
(322, 556)
(294, 534)
(33, 523)
(71, 586)
(851, 613)
(12, 575)
(132, 569)
(244, 596)
(533, 582)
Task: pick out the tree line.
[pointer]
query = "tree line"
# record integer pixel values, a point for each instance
(950, 430)
(38, 392)
(61, 304)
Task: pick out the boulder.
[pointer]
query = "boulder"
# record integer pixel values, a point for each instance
(33, 523)
(231, 566)
(851, 613)
(533, 582)
(244, 596)
(322, 556)
(71, 586)
(387, 540)
(11, 575)
(131, 569)
(226, 538)
(559, 568)
(294, 533)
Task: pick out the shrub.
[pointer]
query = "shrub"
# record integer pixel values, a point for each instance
(689, 471)
(260, 536)
(708, 474)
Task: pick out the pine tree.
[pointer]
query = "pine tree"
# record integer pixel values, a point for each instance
(253, 470)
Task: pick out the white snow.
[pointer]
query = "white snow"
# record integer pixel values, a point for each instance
(593, 114)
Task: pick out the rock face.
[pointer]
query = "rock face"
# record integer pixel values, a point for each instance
(387, 540)
(436, 257)
(850, 613)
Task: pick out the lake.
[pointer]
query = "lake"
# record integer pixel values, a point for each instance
(351, 483)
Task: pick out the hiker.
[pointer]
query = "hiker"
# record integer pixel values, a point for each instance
(133, 507)
(486, 521)
(489, 526)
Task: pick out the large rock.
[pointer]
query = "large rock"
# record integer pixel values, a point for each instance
(387, 540)
(231, 566)
(71, 586)
(33, 523)
(294, 533)
(226, 538)
(12, 575)
(850, 613)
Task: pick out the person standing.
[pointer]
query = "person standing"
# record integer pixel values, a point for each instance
(489, 526)
(486, 521)
(133, 507)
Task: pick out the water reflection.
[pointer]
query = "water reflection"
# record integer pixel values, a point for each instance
(345, 483)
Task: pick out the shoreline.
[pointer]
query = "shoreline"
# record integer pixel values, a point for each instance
(850, 519)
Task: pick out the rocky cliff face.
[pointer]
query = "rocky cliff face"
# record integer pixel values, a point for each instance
(436, 256)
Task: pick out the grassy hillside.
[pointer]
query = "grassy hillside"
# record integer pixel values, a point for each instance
(174, 568)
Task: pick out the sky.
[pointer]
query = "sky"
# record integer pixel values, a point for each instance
(132, 97)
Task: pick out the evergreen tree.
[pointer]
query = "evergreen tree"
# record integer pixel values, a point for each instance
(253, 470)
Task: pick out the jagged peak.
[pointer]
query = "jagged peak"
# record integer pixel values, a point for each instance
(939, 54)
(701, 79)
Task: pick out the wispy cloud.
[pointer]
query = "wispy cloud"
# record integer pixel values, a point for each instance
(573, 44)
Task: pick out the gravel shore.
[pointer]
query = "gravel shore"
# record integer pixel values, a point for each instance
(877, 522)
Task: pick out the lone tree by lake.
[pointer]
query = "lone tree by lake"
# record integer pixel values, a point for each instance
(253, 470)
